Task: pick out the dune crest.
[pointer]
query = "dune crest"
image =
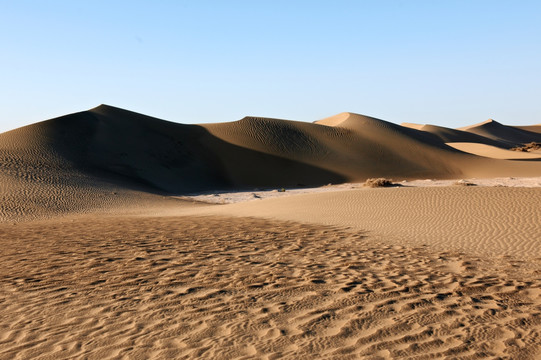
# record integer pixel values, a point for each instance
(108, 150)
(487, 122)
(509, 135)
(334, 120)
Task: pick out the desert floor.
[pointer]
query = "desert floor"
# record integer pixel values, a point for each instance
(411, 272)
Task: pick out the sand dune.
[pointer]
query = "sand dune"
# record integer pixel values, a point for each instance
(508, 134)
(357, 148)
(102, 259)
(115, 146)
(448, 135)
(493, 151)
(531, 128)
(488, 139)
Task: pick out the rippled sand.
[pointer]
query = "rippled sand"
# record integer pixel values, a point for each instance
(99, 287)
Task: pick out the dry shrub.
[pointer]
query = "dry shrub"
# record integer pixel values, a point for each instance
(379, 182)
(527, 147)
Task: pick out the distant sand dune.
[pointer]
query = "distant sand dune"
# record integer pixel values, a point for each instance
(448, 135)
(499, 132)
(105, 157)
(493, 151)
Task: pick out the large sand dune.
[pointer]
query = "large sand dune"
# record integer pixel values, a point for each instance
(102, 259)
(110, 147)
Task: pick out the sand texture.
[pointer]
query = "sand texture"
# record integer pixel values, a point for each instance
(491, 221)
(213, 287)
(494, 151)
(123, 236)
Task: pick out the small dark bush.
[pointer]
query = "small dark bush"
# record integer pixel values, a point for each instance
(527, 147)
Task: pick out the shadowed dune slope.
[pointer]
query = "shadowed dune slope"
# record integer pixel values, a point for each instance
(119, 147)
(180, 158)
(355, 146)
(109, 150)
(112, 144)
(510, 135)
(452, 135)
(394, 142)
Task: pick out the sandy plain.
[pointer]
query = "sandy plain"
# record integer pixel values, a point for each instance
(169, 247)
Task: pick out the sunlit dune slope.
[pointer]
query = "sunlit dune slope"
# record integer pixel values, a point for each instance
(493, 151)
(428, 148)
(530, 128)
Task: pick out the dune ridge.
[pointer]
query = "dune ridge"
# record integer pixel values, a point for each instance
(107, 150)
(499, 132)
(113, 144)
(448, 135)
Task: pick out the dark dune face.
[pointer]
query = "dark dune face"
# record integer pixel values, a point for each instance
(117, 146)
(509, 135)
(121, 146)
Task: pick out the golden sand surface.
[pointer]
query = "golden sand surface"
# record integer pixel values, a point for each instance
(492, 221)
(100, 287)
(493, 151)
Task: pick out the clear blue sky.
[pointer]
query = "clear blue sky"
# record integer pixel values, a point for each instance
(450, 63)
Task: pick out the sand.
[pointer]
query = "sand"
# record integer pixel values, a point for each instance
(126, 236)
(214, 287)
(490, 221)
(493, 151)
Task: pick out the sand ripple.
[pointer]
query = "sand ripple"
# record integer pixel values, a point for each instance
(493, 221)
(214, 287)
